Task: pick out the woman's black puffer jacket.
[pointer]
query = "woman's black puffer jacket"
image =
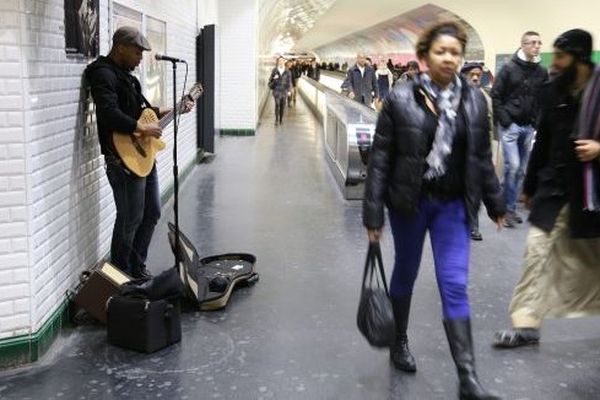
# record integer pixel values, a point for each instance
(400, 147)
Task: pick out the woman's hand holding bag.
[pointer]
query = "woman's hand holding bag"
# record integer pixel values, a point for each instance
(375, 316)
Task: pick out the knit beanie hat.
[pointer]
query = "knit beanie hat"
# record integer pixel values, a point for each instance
(576, 42)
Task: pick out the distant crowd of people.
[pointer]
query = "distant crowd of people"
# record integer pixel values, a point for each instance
(283, 82)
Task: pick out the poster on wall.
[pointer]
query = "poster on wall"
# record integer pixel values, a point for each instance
(81, 27)
(124, 16)
(156, 33)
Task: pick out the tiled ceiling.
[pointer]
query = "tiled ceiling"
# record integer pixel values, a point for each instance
(334, 28)
(284, 22)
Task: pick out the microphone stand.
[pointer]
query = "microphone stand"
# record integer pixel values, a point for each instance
(175, 167)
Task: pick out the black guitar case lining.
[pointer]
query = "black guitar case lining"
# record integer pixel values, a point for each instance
(211, 280)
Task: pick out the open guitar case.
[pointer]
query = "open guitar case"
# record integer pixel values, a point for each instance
(210, 281)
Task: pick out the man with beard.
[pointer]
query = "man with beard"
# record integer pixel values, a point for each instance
(560, 275)
(514, 95)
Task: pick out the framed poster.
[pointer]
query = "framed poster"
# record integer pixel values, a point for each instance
(82, 19)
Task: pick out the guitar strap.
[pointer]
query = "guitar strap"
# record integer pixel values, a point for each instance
(146, 101)
(129, 78)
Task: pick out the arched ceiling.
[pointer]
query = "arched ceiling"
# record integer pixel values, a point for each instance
(398, 35)
(284, 22)
(322, 26)
(306, 25)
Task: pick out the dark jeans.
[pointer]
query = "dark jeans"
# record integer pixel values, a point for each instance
(448, 229)
(138, 209)
(279, 107)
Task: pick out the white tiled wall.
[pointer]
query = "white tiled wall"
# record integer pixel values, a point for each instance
(238, 36)
(15, 291)
(56, 208)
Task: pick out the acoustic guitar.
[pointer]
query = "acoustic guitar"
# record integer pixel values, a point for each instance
(139, 152)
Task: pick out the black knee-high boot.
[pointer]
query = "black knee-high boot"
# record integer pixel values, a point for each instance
(399, 351)
(461, 347)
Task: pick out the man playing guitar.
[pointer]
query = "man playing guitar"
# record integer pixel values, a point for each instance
(119, 104)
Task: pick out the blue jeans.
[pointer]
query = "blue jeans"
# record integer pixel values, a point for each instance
(516, 146)
(137, 201)
(448, 228)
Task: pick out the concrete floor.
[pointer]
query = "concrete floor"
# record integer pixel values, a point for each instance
(293, 335)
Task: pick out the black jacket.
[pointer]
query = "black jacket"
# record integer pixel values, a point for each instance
(400, 146)
(118, 98)
(515, 92)
(554, 175)
(280, 83)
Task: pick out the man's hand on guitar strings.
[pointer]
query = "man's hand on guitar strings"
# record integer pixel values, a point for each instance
(152, 129)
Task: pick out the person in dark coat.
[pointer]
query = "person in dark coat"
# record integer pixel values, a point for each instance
(296, 72)
(514, 94)
(119, 103)
(472, 72)
(280, 83)
(429, 163)
(314, 71)
(361, 82)
(561, 274)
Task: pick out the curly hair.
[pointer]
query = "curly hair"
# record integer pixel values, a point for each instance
(429, 35)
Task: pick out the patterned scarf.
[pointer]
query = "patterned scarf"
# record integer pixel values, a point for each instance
(588, 126)
(447, 102)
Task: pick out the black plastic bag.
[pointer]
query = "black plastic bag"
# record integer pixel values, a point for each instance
(375, 317)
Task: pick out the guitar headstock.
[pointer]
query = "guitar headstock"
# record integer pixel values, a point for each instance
(196, 91)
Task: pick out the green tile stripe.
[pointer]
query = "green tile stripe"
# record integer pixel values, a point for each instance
(24, 349)
(547, 58)
(237, 132)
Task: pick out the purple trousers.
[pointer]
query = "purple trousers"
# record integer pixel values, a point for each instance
(448, 228)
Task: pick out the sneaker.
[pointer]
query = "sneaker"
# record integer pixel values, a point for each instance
(511, 219)
(508, 222)
(509, 338)
(517, 218)
(476, 235)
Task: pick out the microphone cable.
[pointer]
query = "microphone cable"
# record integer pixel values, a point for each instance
(183, 90)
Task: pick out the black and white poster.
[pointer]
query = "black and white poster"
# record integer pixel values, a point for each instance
(81, 27)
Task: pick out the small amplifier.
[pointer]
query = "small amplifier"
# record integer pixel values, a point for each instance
(97, 286)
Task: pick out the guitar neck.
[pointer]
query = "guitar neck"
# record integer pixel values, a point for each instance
(166, 120)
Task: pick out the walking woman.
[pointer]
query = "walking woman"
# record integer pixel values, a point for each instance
(280, 82)
(431, 162)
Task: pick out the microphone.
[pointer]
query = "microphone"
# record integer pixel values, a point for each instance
(162, 57)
